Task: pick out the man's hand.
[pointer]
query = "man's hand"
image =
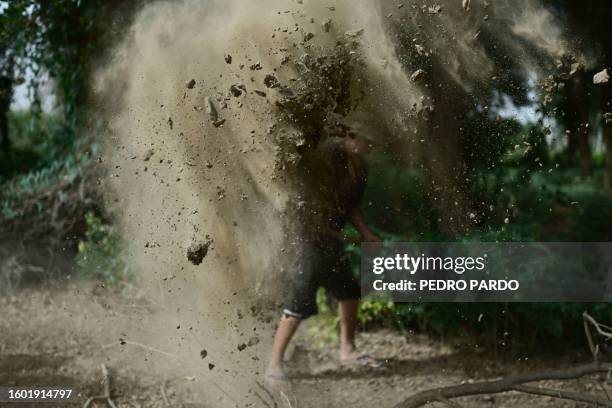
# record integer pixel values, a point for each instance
(356, 218)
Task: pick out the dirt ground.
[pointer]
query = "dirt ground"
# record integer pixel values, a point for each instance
(50, 337)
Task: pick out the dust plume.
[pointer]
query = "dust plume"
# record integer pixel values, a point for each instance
(210, 105)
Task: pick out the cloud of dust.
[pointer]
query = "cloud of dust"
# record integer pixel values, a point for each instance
(207, 162)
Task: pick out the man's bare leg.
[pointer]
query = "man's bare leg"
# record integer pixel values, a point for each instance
(286, 329)
(347, 311)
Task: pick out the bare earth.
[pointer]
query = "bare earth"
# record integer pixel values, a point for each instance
(50, 338)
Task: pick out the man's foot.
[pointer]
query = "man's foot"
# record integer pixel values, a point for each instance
(277, 379)
(355, 358)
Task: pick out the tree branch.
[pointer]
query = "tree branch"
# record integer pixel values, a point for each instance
(568, 395)
(504, 385)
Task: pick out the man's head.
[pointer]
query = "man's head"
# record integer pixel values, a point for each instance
(358, 145)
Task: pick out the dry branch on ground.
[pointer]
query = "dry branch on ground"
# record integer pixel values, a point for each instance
(519, 382)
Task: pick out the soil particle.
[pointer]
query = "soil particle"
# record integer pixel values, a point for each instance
(601, 77)
(575, 68)
(255, 67)
(203, 353)
(241, 347)
(308, 37)
(252, 341)
(211, 110)
(228, 58)
(148, 155)
(198, 250)
(260, 93)
(236, 90)
(417, 75)
(326, 25)
(170, 122)
(218, 123)
(435, 9)
(354, 33)
(270, 81)
(190, 84)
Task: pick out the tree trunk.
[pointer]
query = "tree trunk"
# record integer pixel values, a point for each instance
(579, 143)
(607, 134)
(6, 96)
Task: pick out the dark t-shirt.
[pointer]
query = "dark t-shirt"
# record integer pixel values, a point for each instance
(332, 183)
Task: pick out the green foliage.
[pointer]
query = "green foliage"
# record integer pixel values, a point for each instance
(64, 39)
(520, 194)
(323, 327)
(53, 180)
(100, 254)
(37, 142)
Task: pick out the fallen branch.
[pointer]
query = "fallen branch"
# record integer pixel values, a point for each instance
(512, 383)
(106, 397)
(601, 329)
(568, 395)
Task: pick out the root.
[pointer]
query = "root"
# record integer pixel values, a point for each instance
(518, 382)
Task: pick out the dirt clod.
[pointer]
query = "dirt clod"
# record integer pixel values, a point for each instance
(417, 75)
(326, 25)
(270, 81)
(148, 155)
(237, 89)
(354, 33)
(601, 77)
(213, 114)
(435, 9)
(218, 123)
(198, 250)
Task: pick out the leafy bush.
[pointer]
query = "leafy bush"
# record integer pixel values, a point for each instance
(540, 201)
(100, 254)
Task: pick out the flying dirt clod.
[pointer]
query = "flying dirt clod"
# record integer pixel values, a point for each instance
(601, 77)
(197, 251)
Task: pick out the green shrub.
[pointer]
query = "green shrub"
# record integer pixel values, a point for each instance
(100, 254)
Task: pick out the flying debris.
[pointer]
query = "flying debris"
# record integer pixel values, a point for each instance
(601, 77)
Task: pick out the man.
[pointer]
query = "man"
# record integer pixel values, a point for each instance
(334, 178)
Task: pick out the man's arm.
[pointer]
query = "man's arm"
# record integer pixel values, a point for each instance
(357, 219)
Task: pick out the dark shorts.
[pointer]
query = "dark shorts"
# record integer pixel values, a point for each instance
(323, 264)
